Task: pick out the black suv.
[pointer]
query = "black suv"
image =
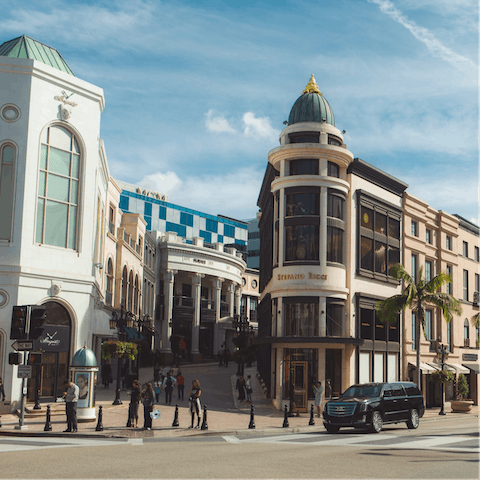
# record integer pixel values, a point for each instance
(372, 404)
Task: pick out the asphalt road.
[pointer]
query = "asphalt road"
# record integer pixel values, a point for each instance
(437, 450)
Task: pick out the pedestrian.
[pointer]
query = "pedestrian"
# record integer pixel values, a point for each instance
(148, 400)
(318, 392)
(194, 398)
(180, 385)
(168, 384)
(248, 386)
(241, 388)
(106, 374)
(221, 356)
(71, 400)
(227, 357)
(133, 407)
(2, 390)
(157, 387)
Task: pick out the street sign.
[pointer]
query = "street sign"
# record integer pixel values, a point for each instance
(22, 345)
(24, 371)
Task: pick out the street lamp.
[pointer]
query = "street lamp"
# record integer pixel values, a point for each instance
(120, 322)
(141, 323)
(442, 350)
(242, 326)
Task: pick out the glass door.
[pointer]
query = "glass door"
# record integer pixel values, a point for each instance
(299, 371)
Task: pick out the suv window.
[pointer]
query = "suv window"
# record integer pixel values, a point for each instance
(412, 390)
(387, 392)
(363, 391)
(397, 391)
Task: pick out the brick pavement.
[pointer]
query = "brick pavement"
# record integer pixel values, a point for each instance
(225, 416)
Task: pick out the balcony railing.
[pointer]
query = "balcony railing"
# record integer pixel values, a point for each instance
(181, 301)
(466, 342)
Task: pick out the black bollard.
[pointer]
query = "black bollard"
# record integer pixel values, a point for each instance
(312, 421)
(175, 418)
(99, 427)
(285, 418)
(204, 421)
(48, 423)
(252, 423)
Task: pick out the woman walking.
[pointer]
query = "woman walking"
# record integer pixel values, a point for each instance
(194, 398)
(148, 400)
(133, 407)
(318, 391)
(241, 388)
(248, 386)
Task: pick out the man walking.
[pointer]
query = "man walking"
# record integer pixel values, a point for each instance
(180, 385)
(168, 384)
(71, 400)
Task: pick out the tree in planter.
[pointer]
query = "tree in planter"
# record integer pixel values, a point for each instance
(462, 387)
(417, 296)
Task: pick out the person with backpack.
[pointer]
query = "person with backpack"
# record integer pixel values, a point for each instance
(168, 384)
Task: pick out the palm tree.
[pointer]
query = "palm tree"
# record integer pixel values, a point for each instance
(417, 296)
(476, 323)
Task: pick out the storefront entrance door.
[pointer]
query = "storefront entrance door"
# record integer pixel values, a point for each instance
(299, 371)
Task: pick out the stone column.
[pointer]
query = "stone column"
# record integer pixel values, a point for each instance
(217, 287)
(230, 298)
(323, 227)
(197, 286)
(322, 320)
(169, 281)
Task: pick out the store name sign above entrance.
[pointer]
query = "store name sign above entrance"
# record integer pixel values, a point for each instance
(301, 276)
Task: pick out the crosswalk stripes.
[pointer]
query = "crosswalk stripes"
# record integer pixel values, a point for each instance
(464, 443)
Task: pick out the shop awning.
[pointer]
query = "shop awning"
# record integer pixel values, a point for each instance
(458, 368)
(474, 367)
(132, 334)
(425, 367)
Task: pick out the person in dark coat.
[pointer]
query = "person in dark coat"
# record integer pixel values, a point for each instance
(148, 400)
(241, 388)
(227, 357)
(106, 374)
(135, 395)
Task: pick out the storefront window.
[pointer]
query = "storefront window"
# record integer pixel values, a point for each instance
(302, 204)
(307, 355)
(301, 242)
(301, 317)
(335, 318)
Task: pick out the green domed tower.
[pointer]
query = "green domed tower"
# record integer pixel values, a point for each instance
(311, 106)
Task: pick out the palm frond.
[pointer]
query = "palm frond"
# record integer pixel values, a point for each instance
(476, 320)
(388, 309)
(436, 282)
(448, 304)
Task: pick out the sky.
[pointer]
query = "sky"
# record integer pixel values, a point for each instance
(197, 90)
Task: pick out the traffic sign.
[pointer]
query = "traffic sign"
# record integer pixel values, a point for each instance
(22, 345)
(24, 371)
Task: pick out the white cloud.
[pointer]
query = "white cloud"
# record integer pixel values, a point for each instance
(234, 194)
(425, 36)
(258, 127)
(217, 123)
(161, 182)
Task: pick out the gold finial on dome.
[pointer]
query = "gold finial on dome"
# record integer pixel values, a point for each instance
(312, 86)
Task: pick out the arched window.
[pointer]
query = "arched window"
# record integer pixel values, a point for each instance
(58, 187)
(135, 296)
(466, 333)
(130, 291)
(109, 294)
(124, 287)
(7, 182)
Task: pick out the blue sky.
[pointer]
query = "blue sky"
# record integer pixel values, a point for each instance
(197, 91)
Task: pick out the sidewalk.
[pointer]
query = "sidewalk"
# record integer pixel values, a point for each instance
(225, 415)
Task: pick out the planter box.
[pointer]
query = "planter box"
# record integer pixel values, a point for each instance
(461, 406)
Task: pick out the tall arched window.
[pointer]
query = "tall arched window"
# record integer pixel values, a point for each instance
(58, 186)
(124, 287)
(130, 291)
(7, 182)
(135, 296)
(109, 295)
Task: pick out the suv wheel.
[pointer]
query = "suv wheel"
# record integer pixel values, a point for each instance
(377, 422)
(332, 429)
(414, 420)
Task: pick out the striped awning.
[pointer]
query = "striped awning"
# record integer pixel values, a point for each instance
(425, 367)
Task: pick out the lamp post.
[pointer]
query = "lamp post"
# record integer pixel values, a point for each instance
(243, 334)
(141, 323)
(442, 350)
(120, 322)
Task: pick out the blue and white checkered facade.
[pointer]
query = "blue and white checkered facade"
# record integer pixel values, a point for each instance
(165, 217)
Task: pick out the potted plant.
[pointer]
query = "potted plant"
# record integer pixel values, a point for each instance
(462, 404)
(441, 376)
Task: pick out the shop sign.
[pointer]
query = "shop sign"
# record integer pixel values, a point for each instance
(301, 276)
(469, 357)
(54, 338)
